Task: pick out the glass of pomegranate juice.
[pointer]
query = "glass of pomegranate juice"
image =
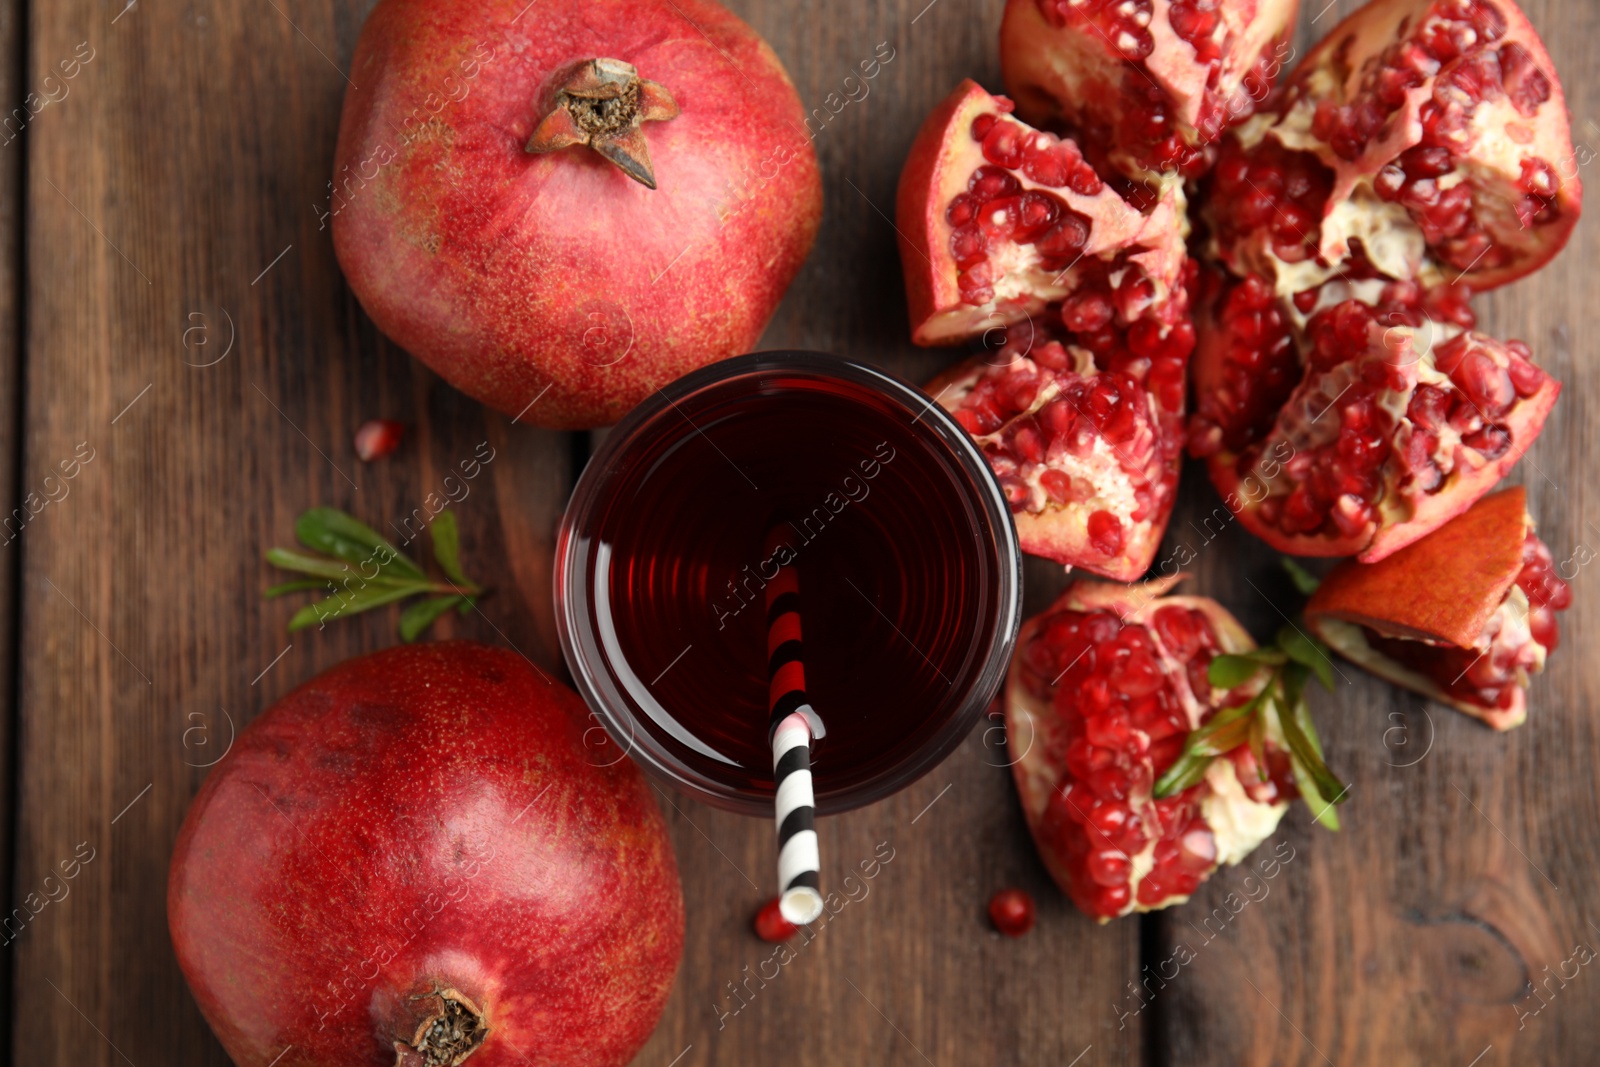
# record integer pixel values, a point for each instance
(902, 544)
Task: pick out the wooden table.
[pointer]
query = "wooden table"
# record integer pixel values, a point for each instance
(170, 305)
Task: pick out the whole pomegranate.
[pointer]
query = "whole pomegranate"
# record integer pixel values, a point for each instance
(1463, 616)
(1104, 691)
(562, 207)
(1344, 401)
(1008, 233)
(411, 860)
(1151, 84)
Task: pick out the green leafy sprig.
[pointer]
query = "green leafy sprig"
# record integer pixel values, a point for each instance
(1279, 702)
(361, 570)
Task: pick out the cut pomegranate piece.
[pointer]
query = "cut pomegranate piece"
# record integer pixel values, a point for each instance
(1103, 693)
(998, 220)
(1397, 421)
(1462, 616)
(1432, 139)
(1153, 83)
(1082, 440)
(1008, 233)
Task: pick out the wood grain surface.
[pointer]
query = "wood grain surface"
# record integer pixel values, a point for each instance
(180, 321)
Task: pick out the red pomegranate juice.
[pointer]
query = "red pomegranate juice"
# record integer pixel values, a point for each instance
(903, 583)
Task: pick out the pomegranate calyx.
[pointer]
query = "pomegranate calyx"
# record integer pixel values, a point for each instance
(1273, 679)
(454, 1031)
(602, 103)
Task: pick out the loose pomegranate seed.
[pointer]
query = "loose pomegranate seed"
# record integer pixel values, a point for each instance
(1012, 912)
(378, 438)
(771, 925)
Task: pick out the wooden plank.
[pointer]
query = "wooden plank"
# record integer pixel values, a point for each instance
(12, 469)
(911, 973)
(188, 324)
(1465, 868)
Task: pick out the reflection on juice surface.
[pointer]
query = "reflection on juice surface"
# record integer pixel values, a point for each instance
(896, 563)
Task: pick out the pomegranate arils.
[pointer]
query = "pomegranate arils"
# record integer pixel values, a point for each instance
(378, 438)
(1012, 912)
(770, 925)
(1112, 697)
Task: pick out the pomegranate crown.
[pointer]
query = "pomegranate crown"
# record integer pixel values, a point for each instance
(602, 103)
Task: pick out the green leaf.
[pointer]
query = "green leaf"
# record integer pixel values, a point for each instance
(296, 587)
(1229, 672)
(1305, 752)
(1303, 579)
(419, 616)
(1227, 730)
(321, 566)
(1187, 770)
(447, 547)
(344, 537)
(1258, 744)
(1309, 651)
(354, 602)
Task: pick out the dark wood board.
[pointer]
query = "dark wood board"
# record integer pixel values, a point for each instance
(183, 316)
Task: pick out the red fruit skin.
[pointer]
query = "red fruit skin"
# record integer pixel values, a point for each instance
(425, 817)
(511, 273)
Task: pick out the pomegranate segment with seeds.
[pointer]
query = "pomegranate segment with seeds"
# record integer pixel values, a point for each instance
(1430, 136)
(1151, 84)
(997, 220)
(1463, 616)
(1009, 234)
(1104, 690)
(1085, 441)
(1396, 422)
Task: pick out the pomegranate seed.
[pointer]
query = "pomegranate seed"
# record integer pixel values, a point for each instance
(1012, 912)
(771, 925)
(1105, 533)
(378, 438)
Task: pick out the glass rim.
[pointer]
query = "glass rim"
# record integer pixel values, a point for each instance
(570, 577)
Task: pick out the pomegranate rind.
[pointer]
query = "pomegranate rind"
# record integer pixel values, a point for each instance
(1030, 721)
(1333, 71)
(373, 818)
(1443, 587)
(941, 161)
(1066, 74)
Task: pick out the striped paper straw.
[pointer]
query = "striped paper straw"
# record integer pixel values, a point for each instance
(792, 725)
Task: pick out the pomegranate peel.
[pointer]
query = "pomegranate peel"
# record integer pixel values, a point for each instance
(494, 214)
(1462, 616)
(414, 858)
(1104, 693)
